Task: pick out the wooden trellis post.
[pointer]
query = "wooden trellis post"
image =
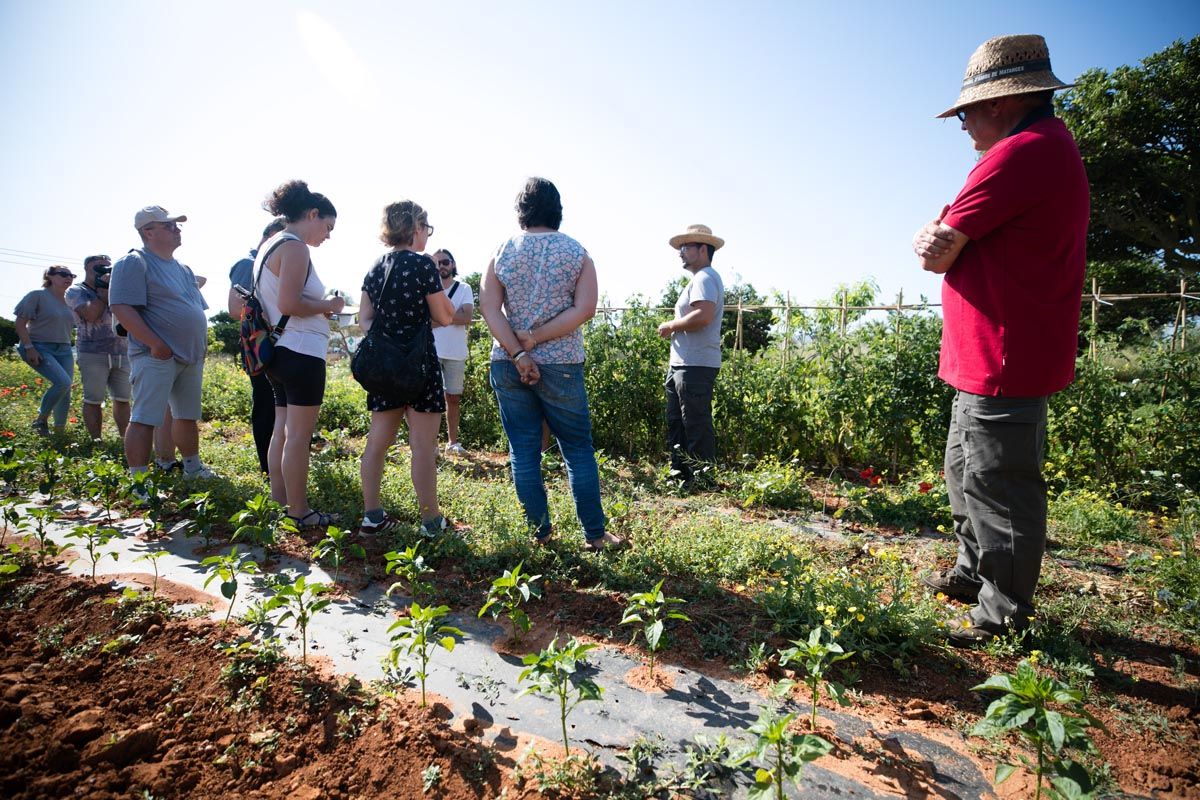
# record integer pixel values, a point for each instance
(1183, 313)
(1095, 312)
(738, 341)
(787, 327)
(842, 316)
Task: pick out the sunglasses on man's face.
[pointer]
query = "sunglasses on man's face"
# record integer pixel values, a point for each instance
(444, 262)
(60, 274)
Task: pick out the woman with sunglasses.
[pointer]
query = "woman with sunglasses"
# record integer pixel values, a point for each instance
(44, 324)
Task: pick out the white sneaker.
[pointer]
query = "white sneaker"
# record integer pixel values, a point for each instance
(455, 449)
(204, 473)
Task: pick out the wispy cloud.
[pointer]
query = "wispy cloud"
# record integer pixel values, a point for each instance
(345, 70)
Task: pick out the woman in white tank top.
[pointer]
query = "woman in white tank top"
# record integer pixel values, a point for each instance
(288, 285)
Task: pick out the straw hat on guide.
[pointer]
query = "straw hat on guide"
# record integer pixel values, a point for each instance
(1006, 65)
(697, 234)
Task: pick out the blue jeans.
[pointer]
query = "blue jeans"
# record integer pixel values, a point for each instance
(57, 367)
(560, 399)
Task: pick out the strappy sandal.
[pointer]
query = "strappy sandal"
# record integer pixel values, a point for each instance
(314, 519)
(388, 523)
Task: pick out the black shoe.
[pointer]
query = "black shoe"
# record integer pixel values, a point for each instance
(970, 636)
(951, 584)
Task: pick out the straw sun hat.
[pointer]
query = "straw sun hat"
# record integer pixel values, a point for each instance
(1006, 65)
(698, 234)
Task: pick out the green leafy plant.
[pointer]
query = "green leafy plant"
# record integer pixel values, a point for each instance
(417, 634)
(153, 558)
(228, 568)
(43, 518)
(781, 753)
(816, 655)
(203, 515)
(507, 593)
(11, 517)
(105, 481)
(1051, 718)
(336, 547)
(651, 610)
(408, 565)
(300, 601)
(50, 468)
(552, 674)
(261, 521)
(94, 539)
(144, 489)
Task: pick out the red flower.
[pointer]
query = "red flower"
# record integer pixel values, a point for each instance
(924, 487)
(73, 420)
(9, 434)
(866, 474)
(876, 480)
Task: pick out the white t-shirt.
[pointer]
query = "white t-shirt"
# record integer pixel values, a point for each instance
(451, 340)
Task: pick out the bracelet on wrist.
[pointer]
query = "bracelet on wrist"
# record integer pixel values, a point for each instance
(517, 356)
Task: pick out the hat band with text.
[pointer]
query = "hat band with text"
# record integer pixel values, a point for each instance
(1041, 65)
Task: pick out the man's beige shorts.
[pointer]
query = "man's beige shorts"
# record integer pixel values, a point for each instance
(101, 373)
(454, 374)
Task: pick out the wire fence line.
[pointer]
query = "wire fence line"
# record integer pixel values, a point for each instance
(1096, 298)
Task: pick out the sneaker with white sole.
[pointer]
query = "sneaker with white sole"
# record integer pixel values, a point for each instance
(455, 449)
(204, 474)
(433, 528)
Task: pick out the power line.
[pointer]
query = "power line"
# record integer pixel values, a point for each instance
(34, 254)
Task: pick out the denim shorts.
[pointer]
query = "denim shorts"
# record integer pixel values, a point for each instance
(157, 382)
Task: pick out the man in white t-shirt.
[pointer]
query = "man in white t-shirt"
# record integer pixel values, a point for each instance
(451, 342)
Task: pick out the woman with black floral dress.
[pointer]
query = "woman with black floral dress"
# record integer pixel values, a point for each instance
(411, 297)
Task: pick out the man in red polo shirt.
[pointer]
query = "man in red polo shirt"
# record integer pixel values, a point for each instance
(1011, 246)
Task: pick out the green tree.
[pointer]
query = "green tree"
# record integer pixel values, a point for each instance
(225, 330)
(1138, 133)
(8, 334)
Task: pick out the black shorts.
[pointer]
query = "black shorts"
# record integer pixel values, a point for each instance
(296, 379)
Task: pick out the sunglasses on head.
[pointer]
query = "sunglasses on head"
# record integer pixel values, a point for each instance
(444, 262)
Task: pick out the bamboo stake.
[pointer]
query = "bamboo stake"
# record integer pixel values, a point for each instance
(1095, 311)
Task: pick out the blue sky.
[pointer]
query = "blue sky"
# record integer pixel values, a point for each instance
(802, 133)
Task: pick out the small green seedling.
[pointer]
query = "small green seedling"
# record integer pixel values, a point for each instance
(336, 547)
(1026, 707)
(816, 656)
(261, 521)
(43, 518)
(105, 483)
(50, 465)
(143, 490)
(409, 566)
(551, 673)
(153, 559)
(94, 538)
(228, 568)
(781, 753)
(417, 634)
(13, 521)
(651, 609)
(203, 516)
(507, 593)
(300, 601)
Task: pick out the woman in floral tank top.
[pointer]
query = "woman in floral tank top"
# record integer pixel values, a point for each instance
(537, 291)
